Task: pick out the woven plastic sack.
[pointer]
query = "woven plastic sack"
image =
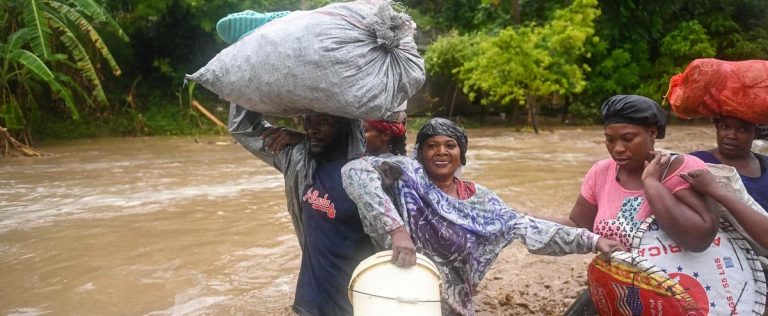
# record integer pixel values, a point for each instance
(356, 59)
(724, 279)
(660, 278)
(713, 88)
(631, 285)
(729, 180)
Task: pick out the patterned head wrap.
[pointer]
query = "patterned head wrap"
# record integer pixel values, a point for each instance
(397, 129)
(442, 127)
(635, 110)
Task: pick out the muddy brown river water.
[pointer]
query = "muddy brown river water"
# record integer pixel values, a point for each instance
(168, 226)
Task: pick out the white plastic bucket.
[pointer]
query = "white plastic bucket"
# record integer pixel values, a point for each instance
(378, 287)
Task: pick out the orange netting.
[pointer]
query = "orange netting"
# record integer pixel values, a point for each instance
(712, 88)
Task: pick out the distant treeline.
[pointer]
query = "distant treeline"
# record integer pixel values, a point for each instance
(79, 68)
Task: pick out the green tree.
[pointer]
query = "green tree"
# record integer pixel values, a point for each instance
(51, 54)
(528, 64)
(644, 42)
(687, 42)
(618, 72)
(445, 59)
(438, 17)
(171, 38)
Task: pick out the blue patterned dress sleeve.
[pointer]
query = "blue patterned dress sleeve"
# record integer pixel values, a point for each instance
(363, 185)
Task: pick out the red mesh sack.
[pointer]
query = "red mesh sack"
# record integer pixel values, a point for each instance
(712, 88)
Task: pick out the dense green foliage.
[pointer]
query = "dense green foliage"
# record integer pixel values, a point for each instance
(52, 57)
(115, 67)
(633, 46)
(521, 64)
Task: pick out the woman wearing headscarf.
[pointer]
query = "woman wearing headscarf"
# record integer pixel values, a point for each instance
(459, 225)
(619, 193)
(387, 136)
(637, 181)
(384, 137)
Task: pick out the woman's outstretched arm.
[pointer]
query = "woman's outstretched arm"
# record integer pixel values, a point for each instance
(582, 215)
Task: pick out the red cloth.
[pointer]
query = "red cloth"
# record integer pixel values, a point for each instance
(465, 189)
(397, 129)
(712, 88)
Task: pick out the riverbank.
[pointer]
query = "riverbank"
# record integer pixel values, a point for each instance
(197, 225)
(175, 120)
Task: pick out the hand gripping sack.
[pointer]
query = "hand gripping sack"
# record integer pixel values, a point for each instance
(355, 59)
(631, 285)
(659, 278)
(713, 88)
(729, 180)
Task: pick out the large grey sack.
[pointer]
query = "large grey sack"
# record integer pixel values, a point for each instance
(356, 59)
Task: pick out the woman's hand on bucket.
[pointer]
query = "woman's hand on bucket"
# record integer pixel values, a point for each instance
(403, 249)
